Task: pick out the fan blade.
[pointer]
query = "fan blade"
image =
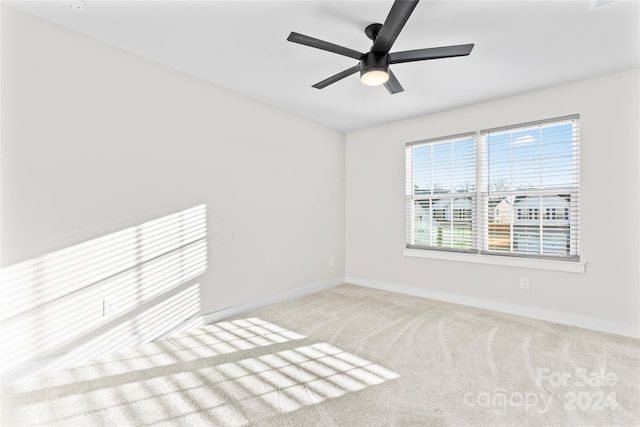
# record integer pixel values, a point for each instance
(398, 16)
(393, 85)
(321, 44)
(341, 75)
(430, 53)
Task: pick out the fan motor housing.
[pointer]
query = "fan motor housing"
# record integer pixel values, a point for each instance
(374, 61)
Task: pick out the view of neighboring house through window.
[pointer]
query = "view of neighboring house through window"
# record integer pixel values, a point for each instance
(509, 191)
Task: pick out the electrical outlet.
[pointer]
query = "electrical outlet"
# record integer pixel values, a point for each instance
(331, 263)
(525, 284)
(110, 306)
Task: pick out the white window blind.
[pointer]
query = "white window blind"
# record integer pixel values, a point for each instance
(441, 193)
(531, 189)
(505, 191)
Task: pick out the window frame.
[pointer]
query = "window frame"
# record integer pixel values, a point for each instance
(480, 252)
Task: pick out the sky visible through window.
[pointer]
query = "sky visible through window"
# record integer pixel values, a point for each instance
(446, 167)
(539, 157)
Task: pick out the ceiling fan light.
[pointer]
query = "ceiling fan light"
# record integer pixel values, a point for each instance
(374, 76)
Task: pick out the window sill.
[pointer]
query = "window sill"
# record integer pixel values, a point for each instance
(539, 264)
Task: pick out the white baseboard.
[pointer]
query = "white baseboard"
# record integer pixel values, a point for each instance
(519, 310)
(274, 299)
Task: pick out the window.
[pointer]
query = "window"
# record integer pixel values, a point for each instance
(443, 193)
(507, 191)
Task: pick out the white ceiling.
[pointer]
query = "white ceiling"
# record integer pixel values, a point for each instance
(520, 46)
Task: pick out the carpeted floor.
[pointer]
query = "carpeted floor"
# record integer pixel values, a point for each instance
(349, 356)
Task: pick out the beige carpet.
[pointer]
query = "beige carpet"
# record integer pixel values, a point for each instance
(349, 356)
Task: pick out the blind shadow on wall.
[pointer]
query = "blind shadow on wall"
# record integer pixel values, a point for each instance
(109, 293)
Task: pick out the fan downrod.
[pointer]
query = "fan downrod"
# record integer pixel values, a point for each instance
(372, 31)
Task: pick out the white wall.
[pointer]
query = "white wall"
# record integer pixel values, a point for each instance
(608, 291)
(95, 140)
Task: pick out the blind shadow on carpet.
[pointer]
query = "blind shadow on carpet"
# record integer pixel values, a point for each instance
(186, 379)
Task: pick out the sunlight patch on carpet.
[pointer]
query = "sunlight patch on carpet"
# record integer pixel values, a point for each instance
(233, 393)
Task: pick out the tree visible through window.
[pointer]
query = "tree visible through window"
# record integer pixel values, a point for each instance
(511, 190)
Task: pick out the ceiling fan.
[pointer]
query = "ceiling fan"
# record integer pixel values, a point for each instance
(374, 65)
